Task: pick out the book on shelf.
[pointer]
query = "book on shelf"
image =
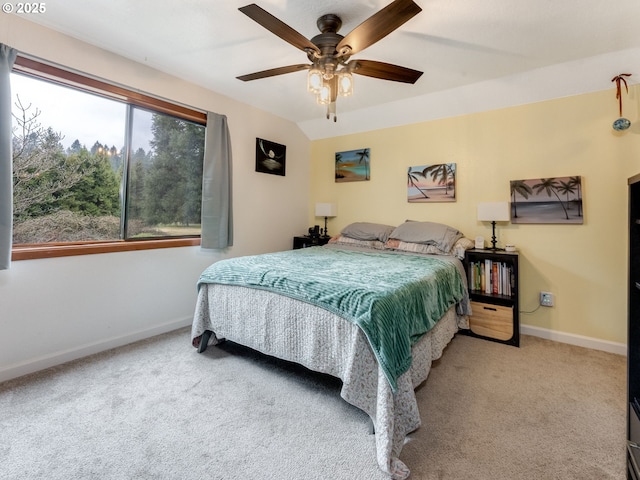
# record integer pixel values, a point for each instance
(491, 278)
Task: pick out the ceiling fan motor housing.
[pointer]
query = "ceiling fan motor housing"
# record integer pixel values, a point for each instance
(329, 58)
(329, 23)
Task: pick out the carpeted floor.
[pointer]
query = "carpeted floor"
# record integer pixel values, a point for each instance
(158, 410)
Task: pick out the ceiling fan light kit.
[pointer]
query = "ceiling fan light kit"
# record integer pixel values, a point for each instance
(330, 72)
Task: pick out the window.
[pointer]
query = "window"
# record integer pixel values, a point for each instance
(95, 164)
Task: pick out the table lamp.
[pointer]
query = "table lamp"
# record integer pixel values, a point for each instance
(326, 210)
(493, 212)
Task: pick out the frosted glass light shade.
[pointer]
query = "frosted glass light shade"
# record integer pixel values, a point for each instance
(324, 96)
(345, 84)
(314, 80)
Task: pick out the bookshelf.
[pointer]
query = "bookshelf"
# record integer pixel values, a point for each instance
(493, 290)
(633, 332)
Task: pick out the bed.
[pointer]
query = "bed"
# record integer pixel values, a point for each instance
(374, 307)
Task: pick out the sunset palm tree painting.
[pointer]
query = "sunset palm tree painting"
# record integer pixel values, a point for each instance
(431, 183)
(547, 200)
(353, 165)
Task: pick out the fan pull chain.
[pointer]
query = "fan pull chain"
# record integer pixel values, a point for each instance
(331, 109)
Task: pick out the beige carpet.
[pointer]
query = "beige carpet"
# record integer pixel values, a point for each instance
(543, 411)
(159, 410)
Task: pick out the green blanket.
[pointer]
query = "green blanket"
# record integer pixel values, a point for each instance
(393, 298)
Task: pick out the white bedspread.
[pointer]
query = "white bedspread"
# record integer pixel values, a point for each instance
(321, 341)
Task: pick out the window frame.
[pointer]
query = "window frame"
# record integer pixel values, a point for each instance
(60, 76)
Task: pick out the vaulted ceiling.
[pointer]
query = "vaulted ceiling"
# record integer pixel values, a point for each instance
(474, 54)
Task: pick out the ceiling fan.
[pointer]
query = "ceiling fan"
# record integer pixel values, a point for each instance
(330, 53)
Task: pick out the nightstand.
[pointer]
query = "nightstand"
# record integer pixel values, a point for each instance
(493, 291)
(305, 241)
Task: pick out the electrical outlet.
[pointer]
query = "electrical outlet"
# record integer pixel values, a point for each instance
(546, 299)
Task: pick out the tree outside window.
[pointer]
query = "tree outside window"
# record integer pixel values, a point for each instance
(100, 170)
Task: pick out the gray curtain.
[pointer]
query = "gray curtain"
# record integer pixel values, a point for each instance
(217, 213)
(7, 57)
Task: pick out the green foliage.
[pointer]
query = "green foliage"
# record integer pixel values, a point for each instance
(135, 197)
(79, 188)
(98, 192)
(173, 182)
(41, 171)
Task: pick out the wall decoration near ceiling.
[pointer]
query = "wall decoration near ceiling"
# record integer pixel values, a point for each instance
(547, 200)
(270, 157)
(431, 183)
(353, 165)
(621, 123)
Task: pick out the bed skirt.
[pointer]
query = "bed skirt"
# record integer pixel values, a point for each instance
(296, 331)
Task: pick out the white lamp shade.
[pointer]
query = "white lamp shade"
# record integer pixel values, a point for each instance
(494, 212)
(326, 209)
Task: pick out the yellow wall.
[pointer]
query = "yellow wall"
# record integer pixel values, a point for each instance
(585, 266)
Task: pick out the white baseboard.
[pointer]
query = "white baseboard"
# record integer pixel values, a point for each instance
(46, 361)
(58, 358)
(572, 339)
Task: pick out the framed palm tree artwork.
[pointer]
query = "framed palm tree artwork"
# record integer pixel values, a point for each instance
(547, 200)
(271, 157)
(431, 183)
(353, 165)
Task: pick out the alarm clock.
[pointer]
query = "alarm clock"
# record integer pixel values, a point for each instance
(479, 242)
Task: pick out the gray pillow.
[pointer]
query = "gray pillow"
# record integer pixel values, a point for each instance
(367, 231)
(429, 233)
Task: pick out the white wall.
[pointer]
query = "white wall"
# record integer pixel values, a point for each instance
(58, 309)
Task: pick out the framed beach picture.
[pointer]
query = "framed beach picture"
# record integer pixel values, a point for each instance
(270, 157)
(547, 200)
(353, 165)
(431, 183)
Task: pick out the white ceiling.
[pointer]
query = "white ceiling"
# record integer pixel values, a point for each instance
(462, 46)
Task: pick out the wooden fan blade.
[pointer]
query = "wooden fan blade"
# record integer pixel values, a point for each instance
(379, 25)
(384, 71)
(278, 27)
(273, 72)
